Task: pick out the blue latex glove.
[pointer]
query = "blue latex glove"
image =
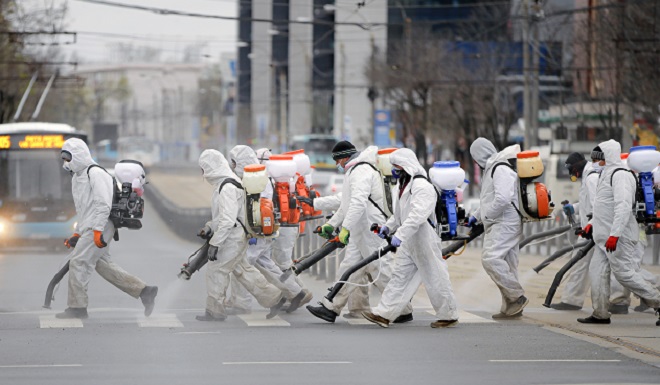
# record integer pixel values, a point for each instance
(383, 232)
(569, 209)
(472, 221)
(252, 241)
(396, 242)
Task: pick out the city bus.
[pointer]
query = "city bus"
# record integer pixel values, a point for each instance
(318, 147)
(36, 205)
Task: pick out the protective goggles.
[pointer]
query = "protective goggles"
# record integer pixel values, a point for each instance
(66, 156)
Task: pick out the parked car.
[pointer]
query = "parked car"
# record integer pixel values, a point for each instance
(334, 185)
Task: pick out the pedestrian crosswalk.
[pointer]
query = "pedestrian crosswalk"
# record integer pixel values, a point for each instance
(185, 319)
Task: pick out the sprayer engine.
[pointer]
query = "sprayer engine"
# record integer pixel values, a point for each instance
(262, 220)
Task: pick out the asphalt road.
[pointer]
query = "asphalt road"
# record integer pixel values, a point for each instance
(118, 345)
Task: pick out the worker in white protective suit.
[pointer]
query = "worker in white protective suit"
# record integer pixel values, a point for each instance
(615, 233)
(229, 242)
(419, 254)
(92, 192)
(577, 283)
(259, 249)
(498, 211)
(361, 205)
(620, 297)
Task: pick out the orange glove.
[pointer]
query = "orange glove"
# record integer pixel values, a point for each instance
(610, 245)
(71, 242)
(98, 239)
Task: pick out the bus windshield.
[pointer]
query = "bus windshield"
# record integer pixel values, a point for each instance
(33, 175)
(319, 150)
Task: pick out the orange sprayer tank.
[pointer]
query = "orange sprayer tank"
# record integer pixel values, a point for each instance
(282, 168)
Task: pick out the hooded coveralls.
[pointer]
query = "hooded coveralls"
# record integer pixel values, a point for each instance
(227, 207)
(92, 197)
(613, 216)
(419, 259)
(356, 214)
(502, 223)
(259, 255)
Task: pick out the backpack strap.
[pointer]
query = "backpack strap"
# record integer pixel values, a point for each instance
(436, 193)
(622, 169)
(492, 170)
(371, 200)
(492, 175)
(239, 186)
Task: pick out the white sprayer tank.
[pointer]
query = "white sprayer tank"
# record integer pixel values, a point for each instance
(643, 158)
(255, 178)
(383, 161)
(281, 167)
(447, 175)
(130, 171)
(303, 164)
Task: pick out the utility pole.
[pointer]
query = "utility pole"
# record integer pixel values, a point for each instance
(283, 109)
(526, 64)
(342, 105)
(534, 110)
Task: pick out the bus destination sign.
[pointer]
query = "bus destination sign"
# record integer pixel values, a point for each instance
(28, 142)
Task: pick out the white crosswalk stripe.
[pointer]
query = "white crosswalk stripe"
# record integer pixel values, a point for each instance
(50, 322)
(259, 319)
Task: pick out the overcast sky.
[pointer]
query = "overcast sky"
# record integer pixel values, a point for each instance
(169, 33)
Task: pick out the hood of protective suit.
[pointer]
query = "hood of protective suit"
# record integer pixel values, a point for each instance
(407, 159)
(612, 151)
(263, 154)
(368, 155)
(80, 155)
(215, 166)
(481, 150)
(242, 156)
(504, 155)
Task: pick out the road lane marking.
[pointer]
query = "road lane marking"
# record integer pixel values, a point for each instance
(50, 322)
(466, 317)
(554, 360)
(160, 320)
(41, 366)
(288, 363)
(198, 333)
(259, 319)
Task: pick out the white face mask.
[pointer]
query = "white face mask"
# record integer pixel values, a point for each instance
(596, 167)
(67, 167)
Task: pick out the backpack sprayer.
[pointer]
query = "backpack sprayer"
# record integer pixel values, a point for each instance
(261, 219)
(448, 176)
(385, 167)
(643, 160)
(373, 257)
(533, 197)
(282, 168)
(127, 203)
(303, 186)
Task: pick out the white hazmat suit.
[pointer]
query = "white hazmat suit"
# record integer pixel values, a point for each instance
(419, 259)
(227, 208)
(502, 223)
(613, 217)
(92, 195)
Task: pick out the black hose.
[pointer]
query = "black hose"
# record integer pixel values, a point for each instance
(557, 254)
(317, 255)
(53, 282)
(560, 274)
(347, 274)
(548, 233)
(474, 234)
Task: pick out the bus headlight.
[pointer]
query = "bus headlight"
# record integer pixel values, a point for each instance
(75, 224)
(2, 227)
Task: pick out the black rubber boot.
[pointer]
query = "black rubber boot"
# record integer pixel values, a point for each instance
(618, 309)
(322, 312)
(565, 306)
(148, 297)
(299, 300)
(73, 313)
